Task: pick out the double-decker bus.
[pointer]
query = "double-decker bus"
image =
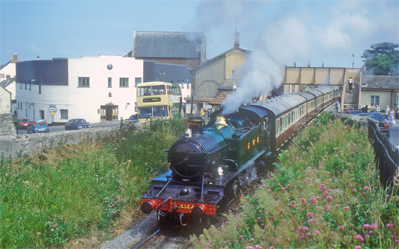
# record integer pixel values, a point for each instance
(158, 100)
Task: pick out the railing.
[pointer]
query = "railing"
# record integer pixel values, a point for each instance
(386, 154)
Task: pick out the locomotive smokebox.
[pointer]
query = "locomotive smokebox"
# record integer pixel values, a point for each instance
(195, 124)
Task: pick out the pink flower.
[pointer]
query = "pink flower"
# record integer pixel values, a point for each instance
(358, 247)
(241, 236)
(359, 237)
(327, 207)
(336, 205)
(303, 200)
(310, 221)
(272, 217)
(374, 226)
(366, 188)
(313, 201)
(271, 247)
(346, 208)
(364, 193)
(329, 198)
(251, 240)
(250, 247)
(389, 225)
(258, 247)
(366, 226)
(354, 191)
(309, 214)
(269, 190)
(322, 187)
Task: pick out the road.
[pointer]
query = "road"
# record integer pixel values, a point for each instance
(58, 128)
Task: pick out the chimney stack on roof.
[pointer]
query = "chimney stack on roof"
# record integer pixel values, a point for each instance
(308, 64)
(237, 40)
(15, 58)
(294, 64)
(322, 64)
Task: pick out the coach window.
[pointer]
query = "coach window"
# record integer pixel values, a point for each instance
(109, 82)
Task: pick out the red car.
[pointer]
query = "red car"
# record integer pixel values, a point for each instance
(24, 122)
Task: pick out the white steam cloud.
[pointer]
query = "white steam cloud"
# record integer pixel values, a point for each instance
(283, 32)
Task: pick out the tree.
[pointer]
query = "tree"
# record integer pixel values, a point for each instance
(382, 59)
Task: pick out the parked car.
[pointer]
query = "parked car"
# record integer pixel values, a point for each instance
(37, 126)
(382, 122)
(77, 124)
(24, 122)
(132, 119)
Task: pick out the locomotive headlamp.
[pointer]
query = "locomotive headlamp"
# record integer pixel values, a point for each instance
(185, 191)
(220, 171)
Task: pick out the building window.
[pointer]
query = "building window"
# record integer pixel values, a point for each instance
(375, 100)
(109, 94)
(40, 88)
(137, 81)
(188, 85)
(124, 82)
(26, 85)
(64, 114)
(109, 82)
(30, 85)
(84, 82)
(20, 86)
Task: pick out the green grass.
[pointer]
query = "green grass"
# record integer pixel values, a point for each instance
(74, 191)
(326, 194)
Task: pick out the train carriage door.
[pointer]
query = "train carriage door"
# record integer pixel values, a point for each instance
(266, 127)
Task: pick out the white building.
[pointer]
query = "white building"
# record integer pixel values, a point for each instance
(5, 101)
(94, 88)
(7, 79)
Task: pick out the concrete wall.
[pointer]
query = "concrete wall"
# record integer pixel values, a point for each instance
(18, 146)
(7, 127)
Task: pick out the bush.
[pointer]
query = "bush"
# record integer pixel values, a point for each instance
(325, 194)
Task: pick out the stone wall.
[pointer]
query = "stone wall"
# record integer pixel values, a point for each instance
(18, 146)
(7, 127)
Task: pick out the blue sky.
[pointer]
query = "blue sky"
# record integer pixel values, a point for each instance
(312, 31)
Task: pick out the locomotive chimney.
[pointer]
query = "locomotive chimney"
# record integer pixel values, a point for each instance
(195, 124)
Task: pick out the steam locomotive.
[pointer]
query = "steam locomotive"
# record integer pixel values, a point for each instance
(210, 164)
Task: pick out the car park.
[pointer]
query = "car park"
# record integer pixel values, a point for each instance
(132, 119)
(77, 124)
(23, 122)
(37, 126)
(382, 122)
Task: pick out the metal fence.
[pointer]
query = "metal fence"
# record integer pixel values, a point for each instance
(386, 154)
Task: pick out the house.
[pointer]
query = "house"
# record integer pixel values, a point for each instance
(5, 101)
(94, 88)
(216, 76)
(7, 80)
(380, 90)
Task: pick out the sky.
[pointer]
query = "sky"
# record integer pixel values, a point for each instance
(279, 32)
(298, 31)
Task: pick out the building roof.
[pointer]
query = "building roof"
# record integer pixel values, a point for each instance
(186, 45)
(219, 98)
(382, 82)
(247, 51)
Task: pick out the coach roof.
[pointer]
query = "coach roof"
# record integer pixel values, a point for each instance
(281, 104)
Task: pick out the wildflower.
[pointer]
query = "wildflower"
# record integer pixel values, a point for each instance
(310, 221)
(358, 247)
(258, 247)
(322, 187)
(374, 226)
(241, 236)
(327, 207)
(309, 214)
(269, 190)
(250, 247)
(364, 193)
(329, 198)
(359, 237)
(313, 201)
(346, 208)
(316, 233)
(251, 240)
(366, 188)
(303, 200)
(389, 225)
(336, 205)
(354, 191)
(366, 226)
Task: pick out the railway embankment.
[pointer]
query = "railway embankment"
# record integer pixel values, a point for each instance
(326, 193)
